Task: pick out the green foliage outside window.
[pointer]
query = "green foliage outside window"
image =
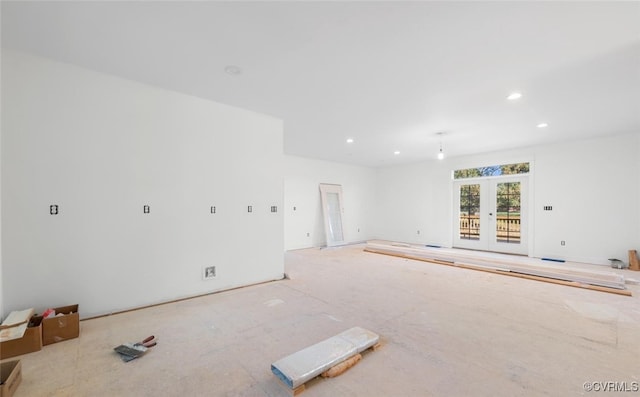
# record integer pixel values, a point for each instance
(494, 170)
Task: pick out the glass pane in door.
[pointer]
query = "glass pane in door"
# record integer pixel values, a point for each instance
(508, 212)
(470, 212)
(335, 217)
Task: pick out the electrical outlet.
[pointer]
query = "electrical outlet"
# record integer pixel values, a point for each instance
(308, 235)
(209, 272)
(418, 231)
(146, 209)
(53, 209)
(562, 242)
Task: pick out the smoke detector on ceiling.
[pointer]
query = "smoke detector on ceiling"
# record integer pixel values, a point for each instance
(233, 70)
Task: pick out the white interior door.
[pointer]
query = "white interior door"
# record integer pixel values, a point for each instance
(332, 209)
(491, 214)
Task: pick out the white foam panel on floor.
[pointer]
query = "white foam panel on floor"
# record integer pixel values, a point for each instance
(304, 365)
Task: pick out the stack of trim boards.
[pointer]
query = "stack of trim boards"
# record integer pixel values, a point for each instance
(600, 281)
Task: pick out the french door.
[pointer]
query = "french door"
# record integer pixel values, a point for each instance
(491, 214)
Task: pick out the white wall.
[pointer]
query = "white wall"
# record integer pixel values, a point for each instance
(592, 186)
(414, 203)
(1, 289)
(301, 190)
(101, 147)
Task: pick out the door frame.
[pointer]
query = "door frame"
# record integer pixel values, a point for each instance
(486, 241)
(333, 237)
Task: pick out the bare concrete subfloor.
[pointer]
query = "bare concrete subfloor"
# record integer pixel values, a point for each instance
(446, 332)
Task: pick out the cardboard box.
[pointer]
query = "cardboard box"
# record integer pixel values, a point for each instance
(30, 342)
(61, 328)
(10, 377)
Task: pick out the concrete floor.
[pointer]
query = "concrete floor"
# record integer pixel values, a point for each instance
(446, 332)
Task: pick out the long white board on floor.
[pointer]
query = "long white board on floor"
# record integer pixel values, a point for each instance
(304, 365)
(513, 265)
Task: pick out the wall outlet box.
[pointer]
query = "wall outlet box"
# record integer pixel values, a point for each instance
(208, 272)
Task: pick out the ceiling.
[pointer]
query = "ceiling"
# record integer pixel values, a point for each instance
(389, 75)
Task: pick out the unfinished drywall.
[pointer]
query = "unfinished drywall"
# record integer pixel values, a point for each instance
(594, 203)
(1, 294)
(414, 203)
(101, 148)
(303, 210)
(590, 184)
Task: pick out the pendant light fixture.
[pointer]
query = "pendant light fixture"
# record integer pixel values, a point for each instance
(440, 153)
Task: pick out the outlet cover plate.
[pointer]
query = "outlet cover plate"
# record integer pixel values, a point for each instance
(209, 272)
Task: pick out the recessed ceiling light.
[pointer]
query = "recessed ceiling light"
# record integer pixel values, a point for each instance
(514, 96)
(233, 70)
(542, 125)
(349, 140)
(397, 152)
